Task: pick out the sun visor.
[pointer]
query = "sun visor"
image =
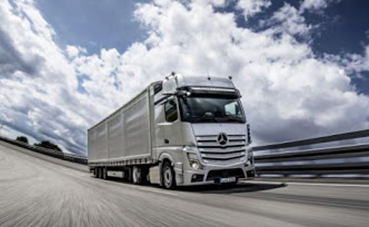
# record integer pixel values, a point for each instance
(210, 84)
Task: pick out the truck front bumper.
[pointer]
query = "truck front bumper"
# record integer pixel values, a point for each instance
(215, 174)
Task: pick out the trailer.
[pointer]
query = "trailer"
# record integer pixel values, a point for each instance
(180, 131)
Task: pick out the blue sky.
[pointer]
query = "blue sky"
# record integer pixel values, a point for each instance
(302, 66)
(93, 24)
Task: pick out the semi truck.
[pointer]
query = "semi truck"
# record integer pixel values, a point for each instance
(181, 131)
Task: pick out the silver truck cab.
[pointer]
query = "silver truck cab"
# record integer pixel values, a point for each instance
(201, 132)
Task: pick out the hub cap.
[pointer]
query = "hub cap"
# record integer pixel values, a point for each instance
(168, 177)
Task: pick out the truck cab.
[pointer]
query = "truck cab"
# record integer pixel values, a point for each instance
(201, 134)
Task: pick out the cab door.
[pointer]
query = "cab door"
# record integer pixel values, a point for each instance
(172, 124)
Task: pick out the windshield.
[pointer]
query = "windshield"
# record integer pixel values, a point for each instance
(211, 109)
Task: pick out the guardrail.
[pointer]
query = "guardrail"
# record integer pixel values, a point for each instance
(50, 152)
(314, 157)
(343, 155)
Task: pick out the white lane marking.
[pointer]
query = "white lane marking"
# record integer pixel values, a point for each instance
(313, 184)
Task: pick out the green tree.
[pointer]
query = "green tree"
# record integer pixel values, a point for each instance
(22, 139)
(49, 145)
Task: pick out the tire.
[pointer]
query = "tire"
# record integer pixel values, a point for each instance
(145, 176)
(104, 173)
(136, 175)
(95, 172)
(168, 176)
(99, 173)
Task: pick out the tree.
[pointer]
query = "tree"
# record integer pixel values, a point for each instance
(22, 139)
(49, 145)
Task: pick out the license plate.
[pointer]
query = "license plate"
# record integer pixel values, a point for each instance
(227, 180)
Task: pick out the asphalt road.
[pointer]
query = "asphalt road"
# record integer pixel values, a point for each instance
(36, 190)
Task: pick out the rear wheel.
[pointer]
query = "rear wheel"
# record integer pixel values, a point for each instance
(100, 172)
(104, 173)
(97, 172)
(168, 176)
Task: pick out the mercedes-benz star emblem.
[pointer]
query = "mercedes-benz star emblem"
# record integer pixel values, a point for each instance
(222, 138)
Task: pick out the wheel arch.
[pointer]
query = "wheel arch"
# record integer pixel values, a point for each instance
(165, 157)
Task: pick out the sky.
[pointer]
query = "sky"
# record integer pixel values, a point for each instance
(302, 66)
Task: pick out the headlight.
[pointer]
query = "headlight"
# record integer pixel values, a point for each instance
(195, 165)
(194, 161)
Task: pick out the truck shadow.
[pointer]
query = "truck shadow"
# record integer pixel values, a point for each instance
(242, 187)
(230, 189)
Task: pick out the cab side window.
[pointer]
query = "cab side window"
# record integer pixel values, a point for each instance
(171, 113)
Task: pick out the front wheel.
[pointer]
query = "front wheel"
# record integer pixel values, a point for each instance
(168, 176)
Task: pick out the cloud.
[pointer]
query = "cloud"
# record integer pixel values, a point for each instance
(314, 5)
(73, 51)
(288, 19)
(288, 92)
(356, 63)
(286, 88)
(38, 84)
(252, 7)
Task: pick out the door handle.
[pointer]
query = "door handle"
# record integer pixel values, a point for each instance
(166, 141)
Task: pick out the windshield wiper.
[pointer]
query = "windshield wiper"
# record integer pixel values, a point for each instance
(233, 119)
(216, 119)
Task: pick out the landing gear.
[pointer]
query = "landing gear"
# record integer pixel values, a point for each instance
(139, 175)
(136, 175)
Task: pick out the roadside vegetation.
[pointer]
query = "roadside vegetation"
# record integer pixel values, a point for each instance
(49, 145)
(45, 143)
(22, 139)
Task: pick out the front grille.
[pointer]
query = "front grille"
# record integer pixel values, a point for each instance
(214, 153)
(216, 174)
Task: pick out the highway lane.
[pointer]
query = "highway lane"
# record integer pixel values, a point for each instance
(36, 190)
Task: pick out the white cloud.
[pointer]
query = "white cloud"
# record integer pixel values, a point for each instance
(353, 64)
(290, 20)
(357, 63)
(314, 5)
(38, 84)
(288, 93)
(73, 51)
(252, 7)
